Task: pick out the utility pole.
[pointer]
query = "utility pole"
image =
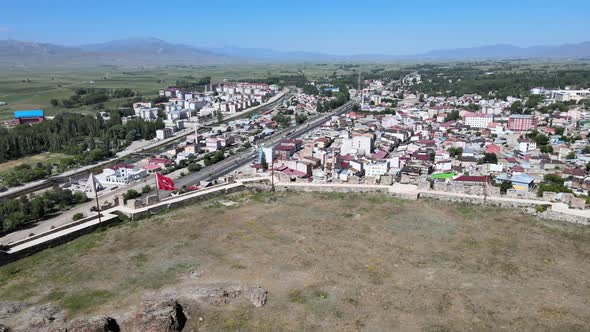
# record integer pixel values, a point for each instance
(485, 190)
(359, 82)
(272, 174)
(333, 164)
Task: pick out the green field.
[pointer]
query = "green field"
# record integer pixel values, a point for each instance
(24, 89)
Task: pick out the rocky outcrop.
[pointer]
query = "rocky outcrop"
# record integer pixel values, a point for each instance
(218, 295)
(42, 318)
(3, 328)
(257, 295)
(93, 324)
(8, 309)
(213, 295)
(157, 315)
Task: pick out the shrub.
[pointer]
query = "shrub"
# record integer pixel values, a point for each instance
(542, 208)
(131, 194)
(194, 167)
(77, 216)
(146, 189)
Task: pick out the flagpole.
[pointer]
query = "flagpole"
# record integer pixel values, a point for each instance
(156, 179)
(97, 205)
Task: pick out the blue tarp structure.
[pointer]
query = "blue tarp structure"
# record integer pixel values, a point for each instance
(28, 114)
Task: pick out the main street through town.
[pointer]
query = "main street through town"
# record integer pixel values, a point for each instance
(239, 160)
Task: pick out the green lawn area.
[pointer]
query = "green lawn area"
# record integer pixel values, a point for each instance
(42, 157)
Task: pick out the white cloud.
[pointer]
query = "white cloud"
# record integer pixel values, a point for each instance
(3, 29)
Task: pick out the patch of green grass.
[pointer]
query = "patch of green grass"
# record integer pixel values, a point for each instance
(308, 295)
(237, 266)
(296, 296)
(155, 278)
(229, 320)
(84, 300)
(139, 260)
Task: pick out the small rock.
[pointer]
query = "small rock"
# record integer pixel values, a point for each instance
(257, 295)
(163, 315)
(3, 328)
(94, 324)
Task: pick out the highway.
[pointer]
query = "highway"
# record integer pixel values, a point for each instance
(239, 160)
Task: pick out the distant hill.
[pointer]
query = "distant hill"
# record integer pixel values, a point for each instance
(18, 52)
(578, 50)
(153, 51)
(125, 52)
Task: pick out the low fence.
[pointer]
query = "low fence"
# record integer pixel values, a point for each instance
(184, 200)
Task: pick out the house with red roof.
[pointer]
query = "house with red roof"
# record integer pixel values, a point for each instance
(493, 148)
(471, 179)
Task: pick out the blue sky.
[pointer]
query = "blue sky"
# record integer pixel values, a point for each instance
(328, 26)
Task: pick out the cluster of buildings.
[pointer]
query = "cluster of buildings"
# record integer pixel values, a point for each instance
(562, 94)
(186, 105)
(422, 144)
(234, 135)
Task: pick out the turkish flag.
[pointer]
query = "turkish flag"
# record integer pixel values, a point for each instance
(164, 183)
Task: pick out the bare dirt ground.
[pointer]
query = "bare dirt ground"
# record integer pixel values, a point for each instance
(329, 262)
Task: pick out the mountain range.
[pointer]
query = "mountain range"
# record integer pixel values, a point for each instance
(154, 52)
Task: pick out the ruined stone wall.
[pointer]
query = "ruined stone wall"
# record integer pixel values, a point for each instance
(552, 215)
(180, 203)
(518, 194)
(459, 188)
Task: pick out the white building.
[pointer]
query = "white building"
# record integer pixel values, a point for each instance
(163, 133)
(120, 174)
(376, 169)
(526, 145)
(478, 120)
(362, 144)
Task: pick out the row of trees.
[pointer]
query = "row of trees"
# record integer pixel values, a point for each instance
(499, 80)
(16, 213)
(338, 99)
(75, 134)
(190, 82)
(88, 96)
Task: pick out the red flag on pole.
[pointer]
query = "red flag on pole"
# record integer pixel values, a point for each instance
(164, 183)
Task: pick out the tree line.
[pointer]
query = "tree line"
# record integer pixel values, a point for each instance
(90, 96)
(16, 213)
(74, 133)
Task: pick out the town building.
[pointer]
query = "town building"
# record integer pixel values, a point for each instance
(28, 117)
(521, 122)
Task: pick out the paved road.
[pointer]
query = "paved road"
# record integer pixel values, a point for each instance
(239, 160)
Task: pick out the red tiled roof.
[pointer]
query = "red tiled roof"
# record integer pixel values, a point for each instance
(574, 171)
(160, 161)
(289, 171)
(121, 165)
(151, 167)
(471, 178)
